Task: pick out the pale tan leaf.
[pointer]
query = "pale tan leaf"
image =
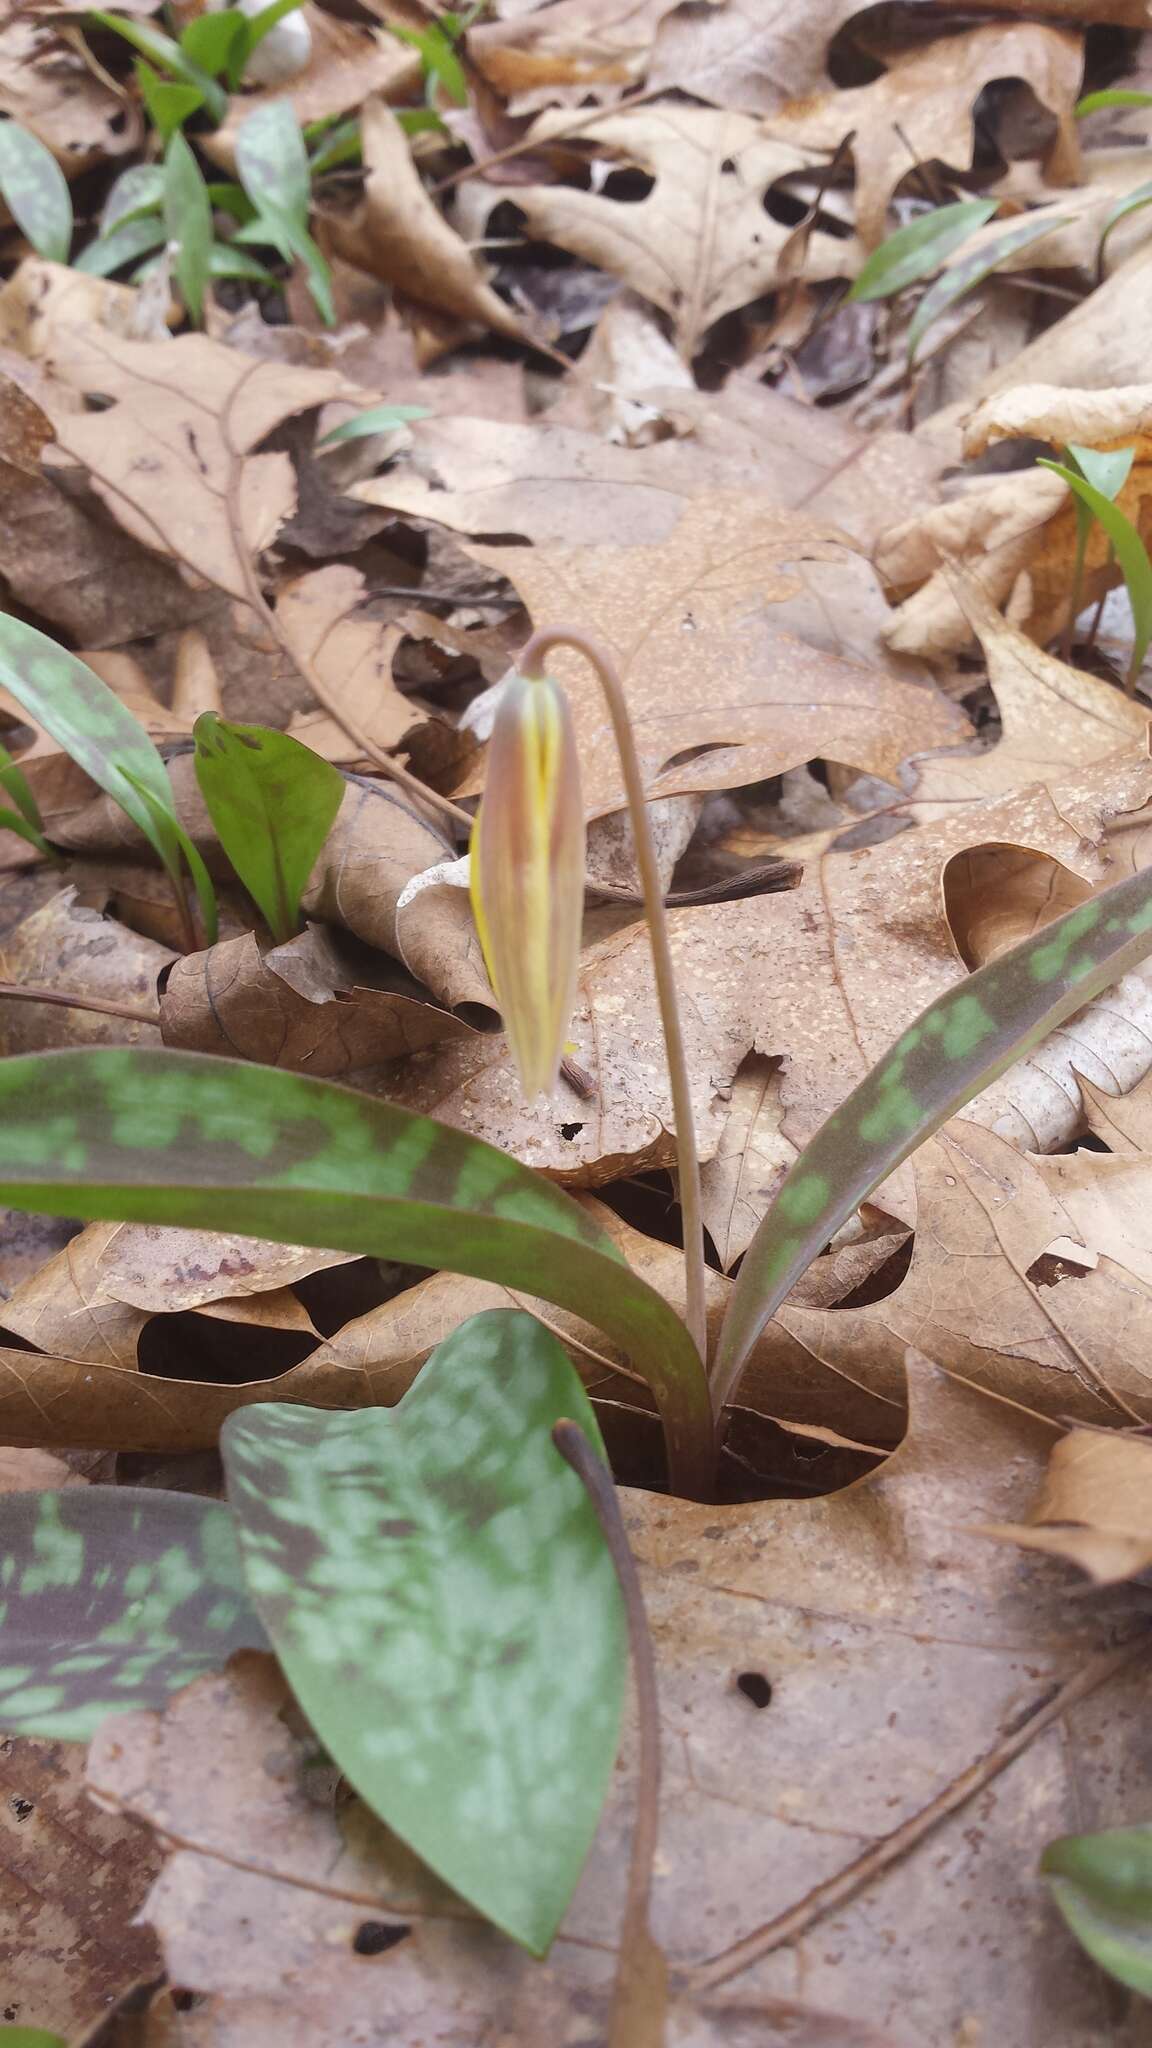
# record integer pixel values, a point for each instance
(701, 243)
(1095, 1506)
(67, 948)
(333, 638)
(400, 235)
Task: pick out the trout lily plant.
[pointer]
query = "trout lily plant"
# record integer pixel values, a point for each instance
(439, 1580)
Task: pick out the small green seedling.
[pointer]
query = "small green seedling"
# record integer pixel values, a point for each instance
(35, 191)
(1127, 546)
(1103, 1886)
(179, 78)
(187, 223)
(375, 419)
(272, 164)
(1107, 472)
(963, 277)
(272, 803)
(920, 248)
(88, 720)
(25, 819)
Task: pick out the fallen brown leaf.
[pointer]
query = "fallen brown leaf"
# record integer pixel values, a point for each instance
(173, 457)
(701, 244)
(601, 47)
(753, 55)
(351, 653)
(698, 606)
(47, 87)
(1094, 1506)
(347, 62)
(239, 1002)
(400, 235)
(72, 950)
(922, 110)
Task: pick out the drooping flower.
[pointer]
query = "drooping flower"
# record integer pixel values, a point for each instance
(527, 873)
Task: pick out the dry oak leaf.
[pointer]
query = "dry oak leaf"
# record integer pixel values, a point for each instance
(706, 667)
(173, 456)
(792, 975)
(399, 234)
(926, 104)
(376, 848)
(1095, 1506)
(844, 1605)
(999, 1291)
(42, 300)
(701, 243)
(47, 86)
(751, 56)
(68, 948)
(71, 1880)
(1054, 719)
(1047, 412)
(321, 617)
(234, 1000)
(1097, 345)
(600, 47)
(271, 1879)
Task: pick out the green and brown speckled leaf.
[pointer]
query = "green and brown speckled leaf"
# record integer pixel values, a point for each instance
(168, 1137)
(957, 1047)
(439, 1592)
(113, 1598)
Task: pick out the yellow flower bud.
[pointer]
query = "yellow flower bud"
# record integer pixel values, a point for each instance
(527, 874)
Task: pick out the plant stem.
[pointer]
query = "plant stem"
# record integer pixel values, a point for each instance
(639, 1995)
(1077, 581)
(598, 659)
(71, 999)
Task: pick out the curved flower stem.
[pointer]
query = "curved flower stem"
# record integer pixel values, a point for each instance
(530, 664)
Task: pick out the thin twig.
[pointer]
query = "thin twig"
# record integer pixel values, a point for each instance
(637, 2018)
(71, 999)
(891, 1849)
(602, 664)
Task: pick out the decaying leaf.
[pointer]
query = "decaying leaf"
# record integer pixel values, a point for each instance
(233, 999)
(922, 109)
(173, 457)
(68, 948)
(400, 235)
(1094, 1506)
(701, 243)
(320, 615)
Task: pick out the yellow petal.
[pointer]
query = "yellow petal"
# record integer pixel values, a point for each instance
(527, 874)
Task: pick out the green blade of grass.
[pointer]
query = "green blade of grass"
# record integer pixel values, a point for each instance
(1114, 96)
(957, 1047)
(965, 276)
(1130, 551)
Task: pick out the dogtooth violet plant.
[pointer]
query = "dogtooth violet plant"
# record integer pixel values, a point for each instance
(423, 1572)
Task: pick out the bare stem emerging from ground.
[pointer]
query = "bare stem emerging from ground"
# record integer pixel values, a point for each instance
(66, 999)
(640, 1993)
(531, 663)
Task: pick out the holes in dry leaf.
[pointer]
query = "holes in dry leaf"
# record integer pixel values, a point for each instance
(376, 1937)
(628, 185)
(1050, 1268)
(571, 1131)
(755, 1687)
(21, 1807)
(728, 166)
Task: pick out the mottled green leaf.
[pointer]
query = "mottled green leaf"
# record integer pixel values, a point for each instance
(437, 1587)
(272, 802)
(272, 164)
(920, 248)
(160, 49)
(1131, 554)
(166, 1137)
(125, 243)
(957, 1047)
(169, 103)
(138, 190)
(188, 219)
(210, 39)
(377, 419)
(88, 720)
(30, 2037)
(965, 276)
(1131, 203)
(35, 191)
(112, 1598)
(1115, 96)
(1103, 1886)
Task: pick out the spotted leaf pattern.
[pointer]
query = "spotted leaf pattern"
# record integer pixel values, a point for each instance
(953, 1050)
(441, 1597)
(168, 1137)
(113, 1598)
